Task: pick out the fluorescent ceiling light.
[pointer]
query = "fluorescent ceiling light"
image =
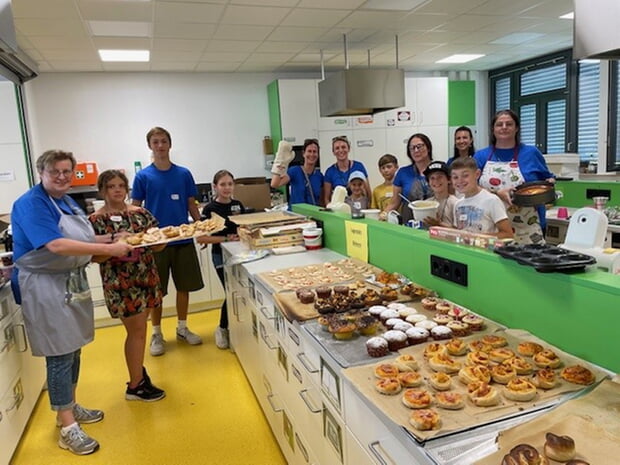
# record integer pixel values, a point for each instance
(124, 55)
(120, 28)
(517, 38)
(570, 15)
(400, 5)
(460, 58)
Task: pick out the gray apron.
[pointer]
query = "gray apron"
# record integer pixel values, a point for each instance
(56, 300)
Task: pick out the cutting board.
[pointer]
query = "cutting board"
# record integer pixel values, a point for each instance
(262, 218)
(593, 421)
(362, 377)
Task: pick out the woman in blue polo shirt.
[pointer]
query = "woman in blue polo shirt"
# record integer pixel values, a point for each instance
(338, 174)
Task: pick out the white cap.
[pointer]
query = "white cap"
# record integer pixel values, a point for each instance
(357, 175)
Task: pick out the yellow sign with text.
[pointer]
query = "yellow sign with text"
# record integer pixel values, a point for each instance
(357, 240)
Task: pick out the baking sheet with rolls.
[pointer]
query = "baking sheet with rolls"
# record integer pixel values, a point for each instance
(453, 421)
(592, 421)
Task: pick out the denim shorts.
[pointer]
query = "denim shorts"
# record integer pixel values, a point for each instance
(63, 372)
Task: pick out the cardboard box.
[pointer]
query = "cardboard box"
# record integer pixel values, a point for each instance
(253, 193)
(85, 174)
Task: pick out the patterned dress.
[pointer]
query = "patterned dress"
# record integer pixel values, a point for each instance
(130, 283)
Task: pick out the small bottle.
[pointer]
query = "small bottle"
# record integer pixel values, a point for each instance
(137, 166)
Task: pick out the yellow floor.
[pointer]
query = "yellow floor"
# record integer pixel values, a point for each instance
(209, 416)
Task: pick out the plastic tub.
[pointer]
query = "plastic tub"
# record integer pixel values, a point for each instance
(313, 238)
(423, 208)
(372, 213)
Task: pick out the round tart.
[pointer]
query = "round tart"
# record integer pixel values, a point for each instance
(449, 400)
(547, 359)
(544, 378)
(503, 373)
(377, 347)
(482, 394)
(578, 374)
(387, 293)
(440, 381)
(417, 398)
(477, 358)
(388, 386)
(459, 329)
(494, 341)
(475, 322)
(409, 379)
(456, 346)
(529, 349)
(386, 370)
(425, 419)
(471, 374)
(520, 389)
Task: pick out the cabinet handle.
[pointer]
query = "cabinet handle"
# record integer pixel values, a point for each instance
(265, 338)
(17, 400)
(302, 449)
(235, 295)
(273, 407)
(301, 356)
(245, 285)
(304, 396)
(374, 450)
(263, 310)
(23, 338)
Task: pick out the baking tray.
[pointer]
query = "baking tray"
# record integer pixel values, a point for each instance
(546, 258)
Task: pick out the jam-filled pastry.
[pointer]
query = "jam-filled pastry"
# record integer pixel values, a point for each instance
(388, 386)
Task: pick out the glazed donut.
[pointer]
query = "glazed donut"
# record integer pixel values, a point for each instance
(560, 448)
(524, 454)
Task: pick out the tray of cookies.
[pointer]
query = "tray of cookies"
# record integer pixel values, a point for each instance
(471, 381)
(585, 430)
(157, 236)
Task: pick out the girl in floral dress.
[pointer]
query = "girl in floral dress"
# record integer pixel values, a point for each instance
(130, 283)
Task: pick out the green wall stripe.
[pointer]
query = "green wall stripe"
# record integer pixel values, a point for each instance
(275, 123)
(461, 103)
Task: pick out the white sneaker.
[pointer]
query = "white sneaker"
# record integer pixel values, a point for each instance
(184, 334)
(158, 345)
(77, 441)
(221, 338)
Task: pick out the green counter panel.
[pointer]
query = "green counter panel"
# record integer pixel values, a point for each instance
(574, 192)
(579, 313)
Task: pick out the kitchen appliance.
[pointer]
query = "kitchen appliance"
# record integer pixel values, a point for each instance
(586, 234)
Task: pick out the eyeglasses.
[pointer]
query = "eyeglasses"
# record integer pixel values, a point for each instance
(57, 173)
(342, 138)
(417, 147)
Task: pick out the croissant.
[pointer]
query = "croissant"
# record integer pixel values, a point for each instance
(524, 454)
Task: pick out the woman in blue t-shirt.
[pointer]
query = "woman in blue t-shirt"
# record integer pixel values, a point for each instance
(305, 181)
(338, 174)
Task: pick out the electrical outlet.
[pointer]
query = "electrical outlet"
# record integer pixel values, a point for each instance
(449, 270)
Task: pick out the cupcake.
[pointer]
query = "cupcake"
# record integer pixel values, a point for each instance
(323, 306)
(323, 292)
(416, 318)
(457, 313)
(390, 322)
(342, 329)
(377, 347)
(324, 322)
(417, 335)
(306, 297)
(396, 340)
(407, 289)
(376, 310)
(341, 290)
(440, 332)
(442, 319)
(475, 322)
(429, 303)
(370, 297)
(426, 324)
(443, 307)
(406, 311)
(367, 325)
(402, 326)
(396, 306)
(459, 329)
(387, 314)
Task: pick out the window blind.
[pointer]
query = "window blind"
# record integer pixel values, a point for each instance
(589, 82)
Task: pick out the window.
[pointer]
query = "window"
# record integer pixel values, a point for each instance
(502, 94)
(589, 82)
(613, 158)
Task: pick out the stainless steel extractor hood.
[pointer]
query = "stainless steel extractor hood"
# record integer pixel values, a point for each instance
(596, 33)
(362, 92)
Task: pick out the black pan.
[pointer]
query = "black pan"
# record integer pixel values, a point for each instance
(531, 194)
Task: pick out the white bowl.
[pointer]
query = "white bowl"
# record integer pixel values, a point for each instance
(372, 213)
(423, 208)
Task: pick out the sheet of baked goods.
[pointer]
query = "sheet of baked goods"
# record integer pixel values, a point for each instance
(468, 381)
(357, 336)
(156, 236)
(585, 430)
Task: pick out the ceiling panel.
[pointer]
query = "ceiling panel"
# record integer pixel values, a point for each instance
(259, 16)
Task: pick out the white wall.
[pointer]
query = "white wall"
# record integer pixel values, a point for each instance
(216, 121)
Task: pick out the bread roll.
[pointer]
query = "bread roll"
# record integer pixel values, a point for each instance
(524, 454)
(560, 448)
(425, 419)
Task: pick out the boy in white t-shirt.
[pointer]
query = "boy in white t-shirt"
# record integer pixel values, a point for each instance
(478, 211)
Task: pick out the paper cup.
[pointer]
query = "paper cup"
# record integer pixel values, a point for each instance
(313, 238)
(372, 213)
(423, 208)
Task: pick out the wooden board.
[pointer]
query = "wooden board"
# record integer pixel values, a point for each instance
(261, 218)
(591, 420)
(453, 421)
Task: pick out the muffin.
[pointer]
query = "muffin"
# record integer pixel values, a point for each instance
(299, 290)
(323, 292)
(396, 306)
(442, 319)
(376, 310)
(390, 322)
(415, 318)
(417, 335)
(440, 332)
(306, 297)
(342, 329)
(426, 324)
(387, 314)
(377, 347)
(475, 322)
(341, 290)
(402, 326)
(406, 311)
(443, 307)
(429, 303)
(324, 322)
(396, 340)
(457, 313)
(367, 325)
(459, 329)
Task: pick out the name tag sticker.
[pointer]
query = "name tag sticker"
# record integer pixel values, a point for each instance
(174, 196)
(116, 218)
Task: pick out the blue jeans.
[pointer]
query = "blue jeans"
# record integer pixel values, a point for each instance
(63, 372)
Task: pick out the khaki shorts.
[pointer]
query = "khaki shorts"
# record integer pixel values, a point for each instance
(183, 262)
